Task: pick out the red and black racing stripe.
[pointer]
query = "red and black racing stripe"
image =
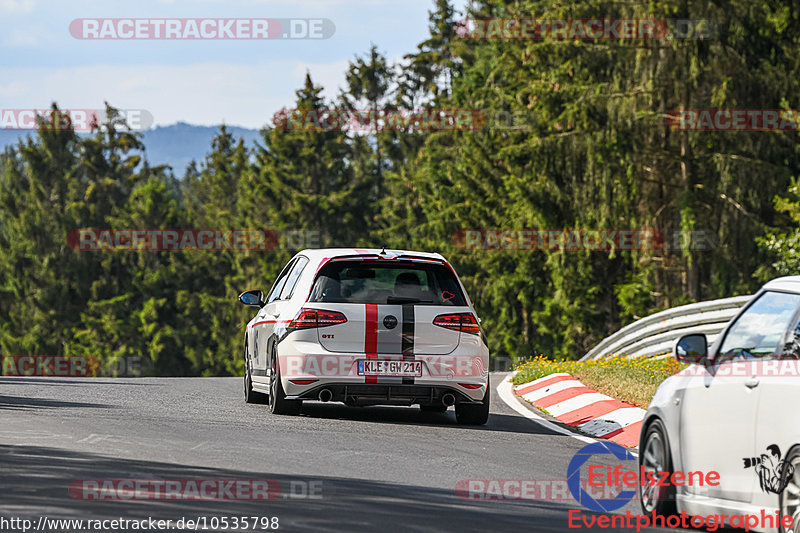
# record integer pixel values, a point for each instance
(371, 337)
(408, 338)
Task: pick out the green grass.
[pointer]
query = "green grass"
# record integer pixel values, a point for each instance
(629, 380)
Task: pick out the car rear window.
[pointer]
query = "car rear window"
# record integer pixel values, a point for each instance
(400, 282)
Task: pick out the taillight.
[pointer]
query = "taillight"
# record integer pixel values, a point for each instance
(464, 322)
(315, 318)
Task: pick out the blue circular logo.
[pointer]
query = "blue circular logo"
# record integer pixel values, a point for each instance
(574, 477)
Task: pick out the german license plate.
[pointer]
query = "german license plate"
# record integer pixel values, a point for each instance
(377, 367)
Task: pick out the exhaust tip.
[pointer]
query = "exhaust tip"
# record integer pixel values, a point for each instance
(448, 399)
(325, 395)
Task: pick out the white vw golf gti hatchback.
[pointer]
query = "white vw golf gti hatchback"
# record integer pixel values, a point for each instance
(367, 327)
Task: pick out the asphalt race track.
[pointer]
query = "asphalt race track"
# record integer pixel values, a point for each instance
(339, 468)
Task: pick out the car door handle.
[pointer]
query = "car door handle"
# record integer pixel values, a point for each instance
(751, 383)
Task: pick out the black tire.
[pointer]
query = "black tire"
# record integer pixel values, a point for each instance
(278, 404)
(789, 497)
(251, 396)
(474, 414)
(655, 455)
(433, 408)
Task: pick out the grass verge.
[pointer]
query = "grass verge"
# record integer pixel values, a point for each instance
(629, 380)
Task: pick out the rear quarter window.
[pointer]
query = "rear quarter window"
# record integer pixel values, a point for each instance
(294, 276)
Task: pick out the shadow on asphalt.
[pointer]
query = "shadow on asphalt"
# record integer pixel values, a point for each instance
(58, 381)
(26, 402)
(414, 416)
(35, 481)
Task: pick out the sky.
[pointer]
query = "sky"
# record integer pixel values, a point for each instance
(208, 82)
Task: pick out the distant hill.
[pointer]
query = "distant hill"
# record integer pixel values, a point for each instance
(175, 145)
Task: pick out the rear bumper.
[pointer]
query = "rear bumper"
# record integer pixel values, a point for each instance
(306, 369)
(389, 394)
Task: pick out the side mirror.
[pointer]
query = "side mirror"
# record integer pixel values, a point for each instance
(254, 298)
(691, 348)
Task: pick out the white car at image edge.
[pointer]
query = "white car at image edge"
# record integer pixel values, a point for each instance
(367, 327)
(734, 411)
